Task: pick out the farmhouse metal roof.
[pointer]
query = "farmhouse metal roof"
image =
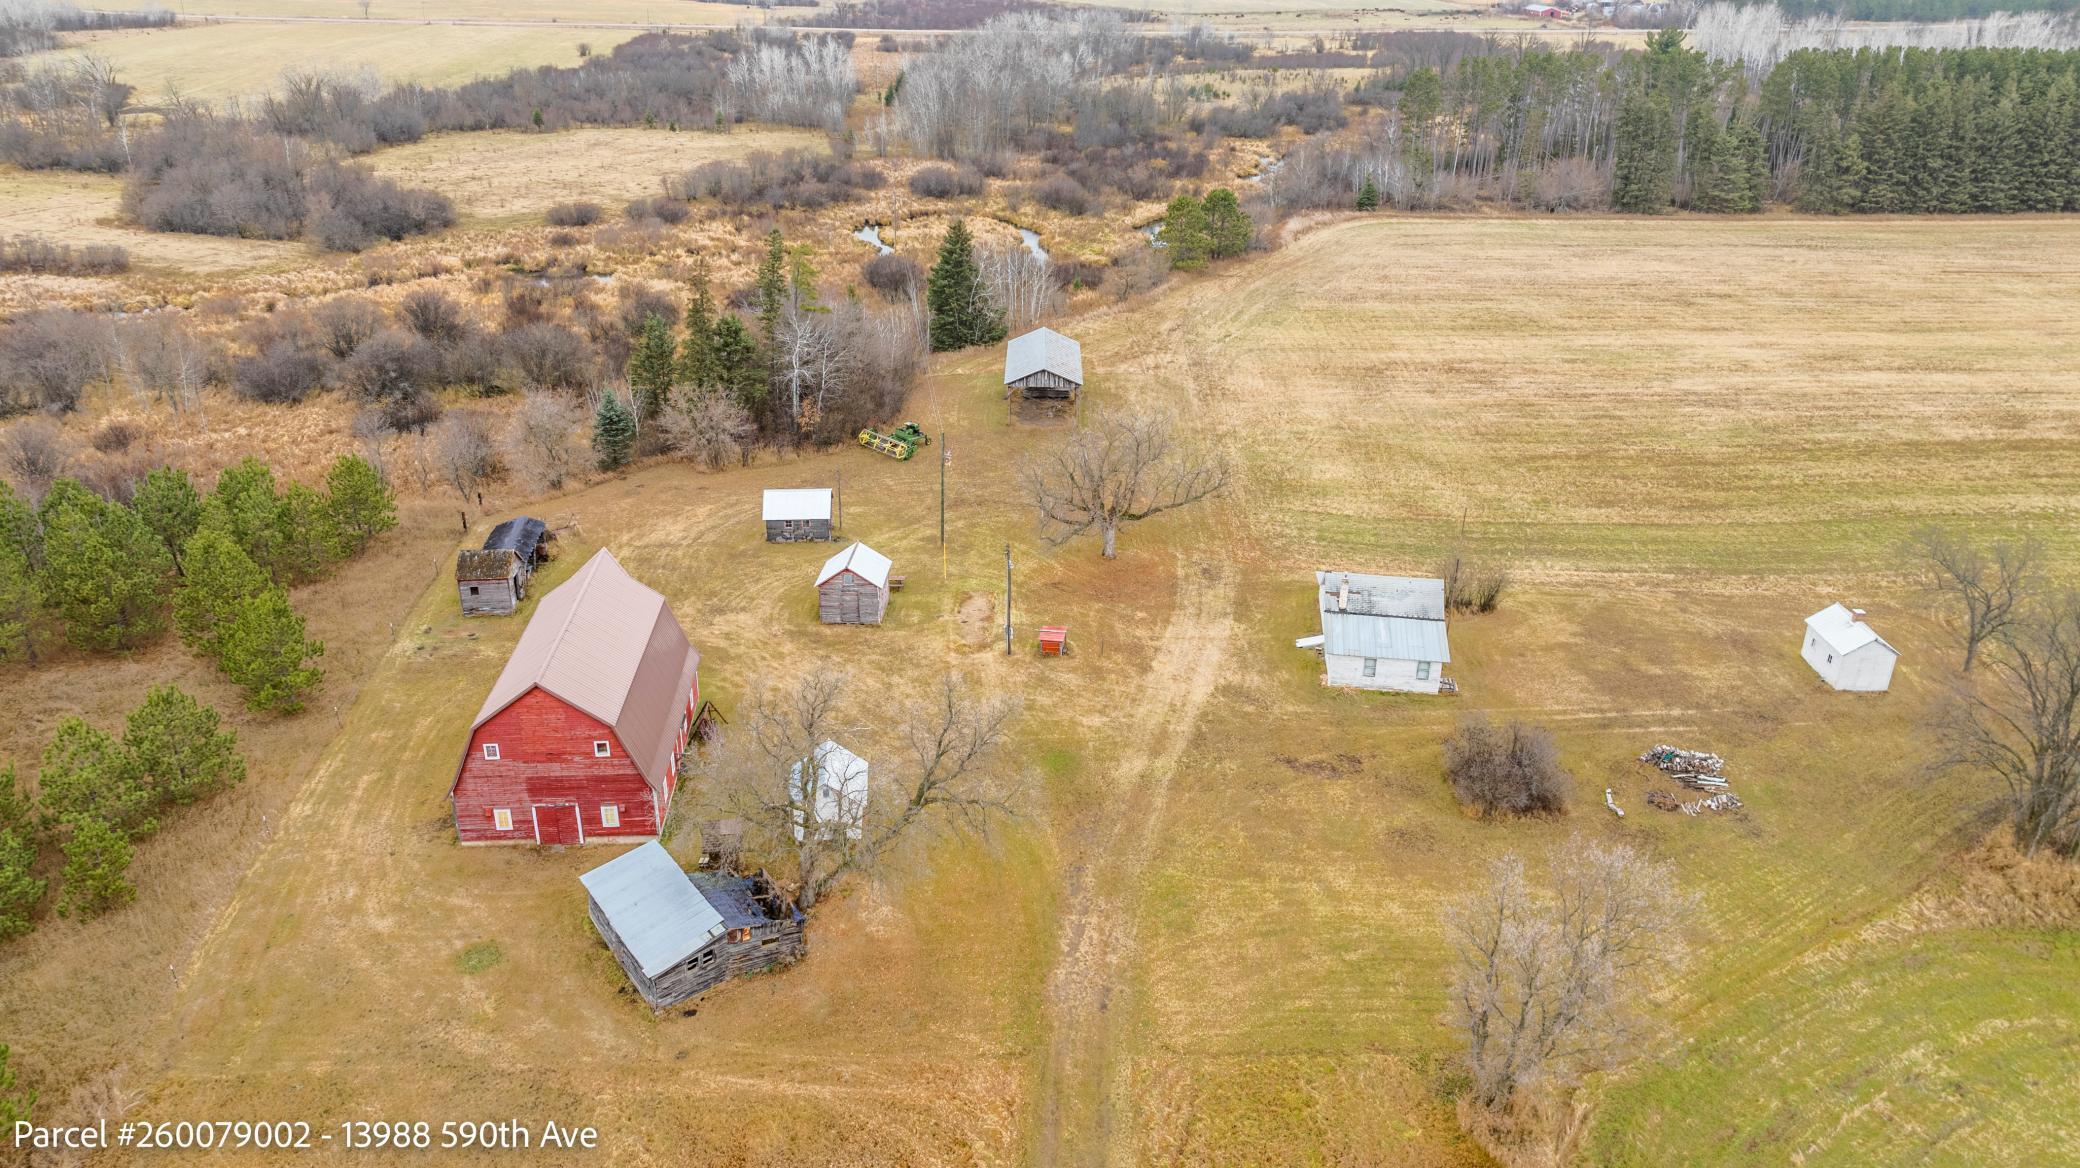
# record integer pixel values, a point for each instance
(798, 503)
(610, 646)
(484, 564)
(1400, 618)
(869, 564)
(1844, 631)
(1043, 348)
(522, 536)
(658, 913)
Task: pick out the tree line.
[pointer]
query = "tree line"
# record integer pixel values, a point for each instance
(97, 793)
(105, 576)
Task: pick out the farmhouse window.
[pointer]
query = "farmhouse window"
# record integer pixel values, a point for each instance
(1372, 667)
(1422, 671)
(491, 751)
(1830, 659)
(609, 815)
(601, 748)
(502, 819)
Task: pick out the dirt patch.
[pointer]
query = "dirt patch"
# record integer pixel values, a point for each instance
(1335, 766)
(978, 619)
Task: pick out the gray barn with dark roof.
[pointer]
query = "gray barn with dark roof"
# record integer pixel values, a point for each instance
(492, 580)
(678, 934)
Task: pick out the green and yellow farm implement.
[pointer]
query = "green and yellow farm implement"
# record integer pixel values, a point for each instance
(899, 443)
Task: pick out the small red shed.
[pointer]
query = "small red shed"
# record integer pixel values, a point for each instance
(580, 738)
(1054, 639)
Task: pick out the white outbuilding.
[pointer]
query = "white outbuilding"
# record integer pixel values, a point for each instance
(1847, 653)
(1382, 632)
(797, 514)
(840, 799)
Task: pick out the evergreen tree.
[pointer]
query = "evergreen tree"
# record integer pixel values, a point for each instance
(652, 367)
(1368, 195)
(697, 361)
(613, 433)
(359, 505)
(221, 577)
(962, 314)
(1831, 180)
(1751, 153)
(170, 506)
(1184, 233)
(1422, 100)
(1228, 226)
(20, 890)
(19, 526)
(1643, 164)
(21, 598)
(252, 511)
(738, 368)
(264, 652)
(14, 1108)
(86, 774)
(104, 571)
(308, 541)
(178, 749)
(772, 288)
(97, 866)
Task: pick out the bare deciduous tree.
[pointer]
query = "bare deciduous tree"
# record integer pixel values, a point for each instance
(707, 427)
(1123, 468)
(1986, 583)
(1549, 985)
(1512, 769)
(542, 440)
(35, 454)
(464, 453)
(2022, 725)
(942, 766)
(159, 356)
(1022, 285)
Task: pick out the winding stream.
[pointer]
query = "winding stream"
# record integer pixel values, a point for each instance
(871, 234)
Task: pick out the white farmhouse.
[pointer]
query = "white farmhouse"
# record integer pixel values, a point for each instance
(1382, 632)
(840, 798)
(1847, 653)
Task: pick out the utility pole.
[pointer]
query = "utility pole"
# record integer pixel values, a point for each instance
(1007, 600)
(945, 456)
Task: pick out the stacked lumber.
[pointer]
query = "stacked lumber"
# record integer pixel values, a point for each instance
(1697, 769)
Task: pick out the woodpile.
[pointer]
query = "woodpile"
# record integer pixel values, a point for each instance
(1697, 769)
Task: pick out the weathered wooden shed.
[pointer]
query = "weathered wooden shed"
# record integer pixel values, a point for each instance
(579, 739)
(1043, 373)
(795, 514)
(492, 580)
(852, 588)
(677, 935)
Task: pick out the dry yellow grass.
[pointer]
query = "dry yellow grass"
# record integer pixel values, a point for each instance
(1212, 938)
(86, 208)
(502, 175)
(638, 14)
(218, 62)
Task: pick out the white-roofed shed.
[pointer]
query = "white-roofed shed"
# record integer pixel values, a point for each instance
(1846, 651)
(797, 513)
(852, 588)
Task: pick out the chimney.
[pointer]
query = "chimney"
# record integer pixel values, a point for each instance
(1343, 595)
(1855, 614)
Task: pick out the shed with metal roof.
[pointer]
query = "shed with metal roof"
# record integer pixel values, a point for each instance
(793, 514)
(492, 580)
(1382, 632)
(677, 935)
(852, 587)
(1043, 372)
(1847, 652)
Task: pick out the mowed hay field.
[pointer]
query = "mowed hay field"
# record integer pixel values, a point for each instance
(500, 174)
(1211, 936)
(219, 61)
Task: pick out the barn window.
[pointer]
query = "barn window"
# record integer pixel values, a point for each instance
(609, 815)
(502, 819)
(740, 934)
(491, 751)
(472, 590)
(601, 748)
(1830, 659)
(1422, 671)
(1372, 667)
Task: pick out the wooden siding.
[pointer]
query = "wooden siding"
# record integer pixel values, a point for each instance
(545, 758)
(797, 530)
(1388, 674)
(849, 599)
(1044, 383)
(489, 597)
(770, 943)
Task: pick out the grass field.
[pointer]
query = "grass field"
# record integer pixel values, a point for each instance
(1211, 936)
(80, 209)
(506, 175)
(217, 62)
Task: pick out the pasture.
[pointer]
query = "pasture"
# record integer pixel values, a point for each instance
(85, 209)
(218, 62)
(1211, 935)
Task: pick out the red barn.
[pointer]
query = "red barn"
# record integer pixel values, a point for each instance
(581, 737)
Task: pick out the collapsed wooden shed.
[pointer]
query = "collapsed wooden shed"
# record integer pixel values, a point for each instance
(796, 514)
(852, 588)
(677, 935)
(1043, 374)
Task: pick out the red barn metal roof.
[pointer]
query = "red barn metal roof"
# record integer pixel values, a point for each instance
(610, 646)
